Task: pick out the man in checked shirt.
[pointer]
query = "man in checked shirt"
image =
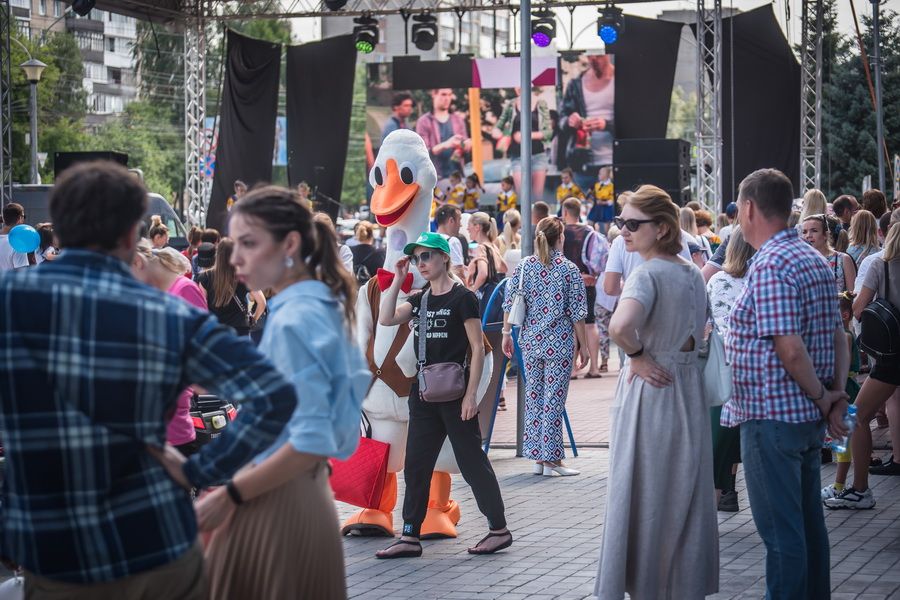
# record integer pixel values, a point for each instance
(91, 365)
(789, 360)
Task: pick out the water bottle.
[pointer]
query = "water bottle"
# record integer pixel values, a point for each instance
(841, 444)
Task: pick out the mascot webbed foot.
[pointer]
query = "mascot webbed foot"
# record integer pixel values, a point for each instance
(369, 522)
(443, 513)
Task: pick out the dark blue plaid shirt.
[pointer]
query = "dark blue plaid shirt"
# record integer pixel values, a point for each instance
(91, 364)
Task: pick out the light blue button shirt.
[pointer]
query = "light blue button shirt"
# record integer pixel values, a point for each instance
(307, 341)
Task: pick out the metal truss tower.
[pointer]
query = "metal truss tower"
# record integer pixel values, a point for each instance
(709, 104)
(811, 18)
(5, 105)
(197, 187)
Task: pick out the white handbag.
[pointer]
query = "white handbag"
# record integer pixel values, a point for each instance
(517, 310)
(716, 372)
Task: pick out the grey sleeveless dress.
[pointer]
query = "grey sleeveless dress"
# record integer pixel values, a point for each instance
(660, 536)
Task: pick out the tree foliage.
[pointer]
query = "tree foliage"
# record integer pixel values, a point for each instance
(61, 101)
(848, 121)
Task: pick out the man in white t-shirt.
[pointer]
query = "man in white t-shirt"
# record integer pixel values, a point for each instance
(13, 214)
(448, 225)
(621, 262)
(731, 212)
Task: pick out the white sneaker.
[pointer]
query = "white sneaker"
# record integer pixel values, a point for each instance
(549, 470)
(852, 499)
(829, 492)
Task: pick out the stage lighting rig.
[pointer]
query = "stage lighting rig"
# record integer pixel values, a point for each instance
(83, 7)
(335, 4)
(366, 33)
(543, 28)
(424, 31)
(610, 24)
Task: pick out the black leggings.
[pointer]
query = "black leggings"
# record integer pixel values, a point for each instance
(429, 424)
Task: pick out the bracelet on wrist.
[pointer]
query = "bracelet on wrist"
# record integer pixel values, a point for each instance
(506, 331)
(233, 493)
(636, 354)
(821, 394)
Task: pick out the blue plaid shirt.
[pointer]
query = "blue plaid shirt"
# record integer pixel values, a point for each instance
(91, 364)
(789, 291)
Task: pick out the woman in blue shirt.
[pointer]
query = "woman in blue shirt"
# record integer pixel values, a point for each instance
(275, 523)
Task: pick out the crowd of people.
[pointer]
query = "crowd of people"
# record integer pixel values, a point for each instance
(98, 498)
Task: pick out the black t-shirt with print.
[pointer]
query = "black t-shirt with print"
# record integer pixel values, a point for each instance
(446, 337)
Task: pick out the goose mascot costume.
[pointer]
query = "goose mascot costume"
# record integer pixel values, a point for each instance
(403, 178)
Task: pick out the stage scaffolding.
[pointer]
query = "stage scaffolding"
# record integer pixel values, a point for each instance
(196, 15)
(811, 17)
(709, 105)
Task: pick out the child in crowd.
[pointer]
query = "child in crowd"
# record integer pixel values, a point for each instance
(604, 211)
(568, 188)
(845, 302)
(472, 193)
(506, 199)
(456, 191)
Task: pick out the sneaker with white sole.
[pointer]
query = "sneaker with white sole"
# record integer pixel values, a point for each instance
(852, 499)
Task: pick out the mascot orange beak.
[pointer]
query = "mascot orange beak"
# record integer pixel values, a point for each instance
(391, 200)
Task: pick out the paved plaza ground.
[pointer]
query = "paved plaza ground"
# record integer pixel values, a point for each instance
(557, 524)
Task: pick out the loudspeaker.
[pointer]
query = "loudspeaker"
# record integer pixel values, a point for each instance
(64, 160)
(663, 163)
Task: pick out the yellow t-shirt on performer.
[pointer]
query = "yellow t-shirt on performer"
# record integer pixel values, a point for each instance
(507, 201)
(568, 190)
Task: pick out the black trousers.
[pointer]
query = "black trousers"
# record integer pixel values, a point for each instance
(429, 424)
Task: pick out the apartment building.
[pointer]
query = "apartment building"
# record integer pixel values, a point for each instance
(106, 41)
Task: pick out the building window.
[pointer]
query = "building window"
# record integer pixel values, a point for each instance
(57, 8)
(111, 44)
(89, 40)
(42, 8)
(115, 76)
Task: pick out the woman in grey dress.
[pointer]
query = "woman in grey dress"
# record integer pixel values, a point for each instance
(660, 537)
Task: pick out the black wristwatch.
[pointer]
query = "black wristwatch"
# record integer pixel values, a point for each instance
(233, 493)
(636, 354)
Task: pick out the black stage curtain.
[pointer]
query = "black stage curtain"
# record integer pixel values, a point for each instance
(247, 120)
(645, 60)
(766, 108)
(319, 104)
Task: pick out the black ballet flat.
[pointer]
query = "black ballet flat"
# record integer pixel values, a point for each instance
(502, 546)
(404, 554)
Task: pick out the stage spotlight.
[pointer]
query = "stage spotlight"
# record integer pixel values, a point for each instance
(424, 31)
(335, 4)
(82, 7)
(610, 24)
(366, 33)
(543, 28)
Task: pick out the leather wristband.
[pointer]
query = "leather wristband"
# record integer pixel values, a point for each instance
(636, 354)
(233, 493)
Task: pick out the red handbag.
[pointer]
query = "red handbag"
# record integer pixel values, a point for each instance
(359, 480)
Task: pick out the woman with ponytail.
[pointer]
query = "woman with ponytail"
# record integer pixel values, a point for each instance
(555, 310)
(274, 524)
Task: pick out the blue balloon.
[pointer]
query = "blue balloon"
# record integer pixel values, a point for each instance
(24, 239)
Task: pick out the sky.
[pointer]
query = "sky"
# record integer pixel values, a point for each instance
(307, 29)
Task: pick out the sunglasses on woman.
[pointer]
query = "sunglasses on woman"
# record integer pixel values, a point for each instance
(631, 225)
(422, 257)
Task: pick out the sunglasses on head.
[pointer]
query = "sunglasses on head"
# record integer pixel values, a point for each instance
(421, 257)
(631, 224)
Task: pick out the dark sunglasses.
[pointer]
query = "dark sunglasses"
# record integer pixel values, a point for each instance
(631, 224)
(421, 257)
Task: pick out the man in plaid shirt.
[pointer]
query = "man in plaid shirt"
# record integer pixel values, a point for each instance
(91, 364)
(789, 359)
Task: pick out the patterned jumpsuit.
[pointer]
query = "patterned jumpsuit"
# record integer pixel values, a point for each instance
(555, 299)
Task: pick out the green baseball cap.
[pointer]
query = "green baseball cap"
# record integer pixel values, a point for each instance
(429, 240)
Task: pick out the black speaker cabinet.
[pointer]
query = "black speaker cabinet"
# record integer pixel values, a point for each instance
(663, 163)
(64, 160)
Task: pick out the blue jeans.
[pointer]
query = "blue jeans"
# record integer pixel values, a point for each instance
(782, 463)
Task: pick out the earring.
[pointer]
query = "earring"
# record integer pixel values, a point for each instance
(288, 262)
